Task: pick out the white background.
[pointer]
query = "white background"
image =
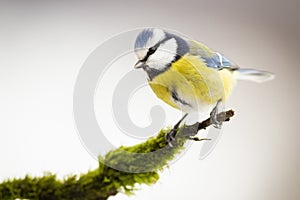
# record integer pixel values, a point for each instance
(43, 45)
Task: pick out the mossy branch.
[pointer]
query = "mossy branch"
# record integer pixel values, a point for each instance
(107, 180)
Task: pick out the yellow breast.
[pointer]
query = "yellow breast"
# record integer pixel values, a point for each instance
(194, 82)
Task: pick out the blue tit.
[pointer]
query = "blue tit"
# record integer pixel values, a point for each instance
(188, 75)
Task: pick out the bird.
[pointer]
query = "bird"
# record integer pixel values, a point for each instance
(188, 75)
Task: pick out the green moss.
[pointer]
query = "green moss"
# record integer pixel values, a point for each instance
(147, 158)
(125, 168)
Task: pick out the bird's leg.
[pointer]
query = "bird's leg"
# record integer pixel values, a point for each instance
(213, 115)
(170, 136)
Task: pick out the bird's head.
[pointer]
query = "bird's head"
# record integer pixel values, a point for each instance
(156, 49)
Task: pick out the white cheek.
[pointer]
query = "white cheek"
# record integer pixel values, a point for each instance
(164, 55)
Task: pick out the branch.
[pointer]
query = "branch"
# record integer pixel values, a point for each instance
(106, 180)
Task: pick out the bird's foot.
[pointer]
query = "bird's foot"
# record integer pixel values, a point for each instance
(171, 135)
(214, 116)
(198, 139)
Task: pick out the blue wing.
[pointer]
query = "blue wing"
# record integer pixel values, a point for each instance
(218, 61)
(212, 59)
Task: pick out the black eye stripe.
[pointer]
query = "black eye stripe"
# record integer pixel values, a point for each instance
(149, 53)
(151, 50)
(154, 48)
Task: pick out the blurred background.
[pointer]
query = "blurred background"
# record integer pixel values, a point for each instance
(43, 45)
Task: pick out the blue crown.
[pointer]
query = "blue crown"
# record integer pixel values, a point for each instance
(142, 38)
